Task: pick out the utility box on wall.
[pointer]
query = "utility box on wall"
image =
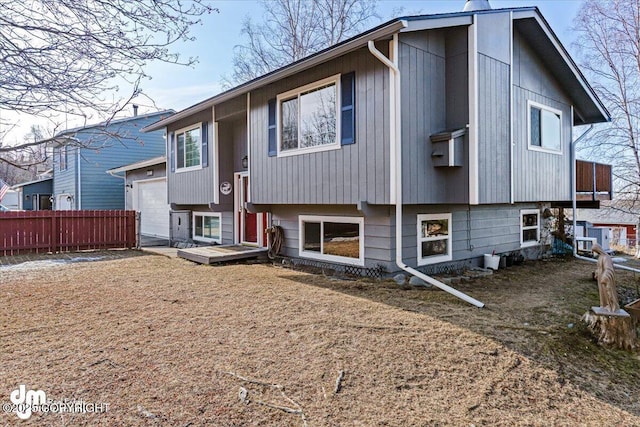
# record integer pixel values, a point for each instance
(180, 230)
(447, 148)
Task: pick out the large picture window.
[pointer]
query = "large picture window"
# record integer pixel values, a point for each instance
(529, 227)
(337, 239)
(206, 227)
(308, 119)
(188, 146)
(434, 238)
(545, 128)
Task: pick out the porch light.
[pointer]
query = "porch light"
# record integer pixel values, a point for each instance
(245, 162)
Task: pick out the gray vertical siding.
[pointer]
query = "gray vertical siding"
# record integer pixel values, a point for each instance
(195, 190)
(538, 176)
(457, 79)
(227, 227)
(476, 230)
(352, 173)
(378, 233)
(193, 187)
(493, 130)
(433, 67)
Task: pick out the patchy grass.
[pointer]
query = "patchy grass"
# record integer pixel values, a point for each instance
(167, 342)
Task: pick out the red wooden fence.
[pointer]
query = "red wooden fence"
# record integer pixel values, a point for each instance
(64, 231)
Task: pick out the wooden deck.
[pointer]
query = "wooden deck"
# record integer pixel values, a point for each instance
(223, 253)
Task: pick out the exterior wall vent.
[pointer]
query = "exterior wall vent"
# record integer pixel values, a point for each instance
(473, 5)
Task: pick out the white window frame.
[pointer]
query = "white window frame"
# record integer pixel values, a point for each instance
(433, 259)
(296, 92)
(175, 148)
(201, 238)
(533, 104)
(63, 158)
(331, 258)
(529, 243)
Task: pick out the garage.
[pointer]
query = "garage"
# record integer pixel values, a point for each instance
(150, 199)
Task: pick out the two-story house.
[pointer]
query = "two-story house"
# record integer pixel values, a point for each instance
(426, 140)
(83, 155)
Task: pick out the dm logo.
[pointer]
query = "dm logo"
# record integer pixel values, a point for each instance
(27, 400)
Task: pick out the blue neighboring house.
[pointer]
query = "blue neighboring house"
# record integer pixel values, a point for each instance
(83, 155)
(35, 195)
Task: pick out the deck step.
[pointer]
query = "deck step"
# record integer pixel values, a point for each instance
(222, 253)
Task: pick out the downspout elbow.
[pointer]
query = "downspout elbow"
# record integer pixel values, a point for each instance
(113, 174)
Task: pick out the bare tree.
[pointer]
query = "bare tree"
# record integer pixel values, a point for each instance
(608, 43)
(74, 57)
(294, 29)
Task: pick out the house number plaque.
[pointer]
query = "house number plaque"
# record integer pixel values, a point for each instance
(225, 188)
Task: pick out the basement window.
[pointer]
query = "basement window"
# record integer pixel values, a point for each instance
(545, 128)
(434, 238)
(206, 227)
(529, 227)
(334, 239)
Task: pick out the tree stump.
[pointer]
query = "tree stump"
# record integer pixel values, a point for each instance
(611, 325)
(612, 331)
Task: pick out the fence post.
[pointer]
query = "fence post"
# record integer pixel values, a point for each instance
(54, 232)
(138, 229)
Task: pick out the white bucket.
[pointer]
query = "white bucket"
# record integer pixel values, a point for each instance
(491, 261)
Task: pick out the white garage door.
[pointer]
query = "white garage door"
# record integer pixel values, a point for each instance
(150, 198)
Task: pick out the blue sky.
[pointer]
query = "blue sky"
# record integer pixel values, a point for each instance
(178, 87)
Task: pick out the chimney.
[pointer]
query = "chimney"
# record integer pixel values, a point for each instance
(473, 5)
(135, 110)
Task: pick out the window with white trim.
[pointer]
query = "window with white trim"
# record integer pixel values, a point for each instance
(188, 148)
(529, 227)
(62, 158)
(308, 118)
(207, 227)
(545, 128)
(329, 238)
(434, 238)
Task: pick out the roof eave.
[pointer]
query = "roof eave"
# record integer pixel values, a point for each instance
(138, 165)
(534, 13)
(354, 43)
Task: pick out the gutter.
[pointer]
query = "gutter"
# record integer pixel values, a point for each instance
(396, 147)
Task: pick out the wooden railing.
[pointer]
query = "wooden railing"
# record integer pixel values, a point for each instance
(594, 181)
(64, 231)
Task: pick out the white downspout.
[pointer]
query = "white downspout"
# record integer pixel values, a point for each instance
(574, 185)
(79, 189)
(113, 174)
(396, 139)
(511, 130)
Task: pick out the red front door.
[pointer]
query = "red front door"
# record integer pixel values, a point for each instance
(250, 231)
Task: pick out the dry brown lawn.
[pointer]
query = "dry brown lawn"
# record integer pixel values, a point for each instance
(169, 343)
